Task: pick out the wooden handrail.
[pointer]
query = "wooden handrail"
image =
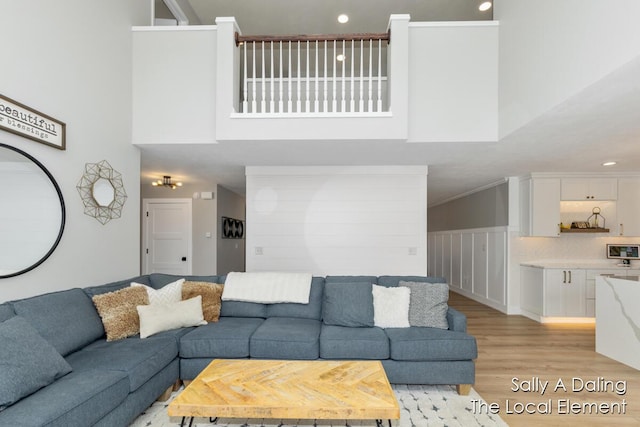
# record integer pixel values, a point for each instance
(313, 37)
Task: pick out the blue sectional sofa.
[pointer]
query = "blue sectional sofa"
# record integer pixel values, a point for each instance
(111, 383)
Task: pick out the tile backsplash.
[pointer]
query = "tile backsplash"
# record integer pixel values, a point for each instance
(566, 247)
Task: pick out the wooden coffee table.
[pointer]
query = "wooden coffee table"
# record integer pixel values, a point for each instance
(284, 389)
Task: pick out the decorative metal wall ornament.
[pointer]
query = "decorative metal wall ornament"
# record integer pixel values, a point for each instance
(102, 191)
(232, 228)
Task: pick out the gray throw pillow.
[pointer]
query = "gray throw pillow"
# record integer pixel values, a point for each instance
(27, 361)
(348, 304)
(428, 306)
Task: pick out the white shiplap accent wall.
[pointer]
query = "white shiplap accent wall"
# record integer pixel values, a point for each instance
(337, 220)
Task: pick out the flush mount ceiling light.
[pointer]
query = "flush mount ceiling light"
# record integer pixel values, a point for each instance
(484, 6)
(166, 182)
(609, 163)
(343, 19)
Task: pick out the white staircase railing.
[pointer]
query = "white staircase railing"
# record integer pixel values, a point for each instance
(313, 75)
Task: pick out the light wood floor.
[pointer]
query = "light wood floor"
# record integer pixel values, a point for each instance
(517, 347)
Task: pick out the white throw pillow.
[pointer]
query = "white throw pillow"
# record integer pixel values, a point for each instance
(169, 293)
(164, 317)
(391, 306)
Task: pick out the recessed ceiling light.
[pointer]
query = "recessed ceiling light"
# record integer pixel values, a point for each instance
(484, 6)
(340, 57)
(609, 163)
(343, 19)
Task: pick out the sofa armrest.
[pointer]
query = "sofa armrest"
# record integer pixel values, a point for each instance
(457, 321)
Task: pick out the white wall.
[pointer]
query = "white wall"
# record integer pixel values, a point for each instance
(474, 262)
(337, 220)
(552, 49)
(174, 93)
(71, 59)
(453, 76)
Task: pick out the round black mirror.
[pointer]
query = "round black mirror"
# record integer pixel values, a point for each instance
(32, 217)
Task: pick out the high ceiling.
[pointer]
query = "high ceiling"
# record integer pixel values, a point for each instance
(600, 123)
(320, 16)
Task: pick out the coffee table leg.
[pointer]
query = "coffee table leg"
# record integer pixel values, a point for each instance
(183, 420)
(379, 423)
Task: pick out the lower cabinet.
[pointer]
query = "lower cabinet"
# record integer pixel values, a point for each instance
(553, 292)
(564, 293)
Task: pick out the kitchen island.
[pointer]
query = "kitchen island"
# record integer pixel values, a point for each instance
(618, 318)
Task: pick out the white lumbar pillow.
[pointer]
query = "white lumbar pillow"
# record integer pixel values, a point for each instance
(391, 306)
(169, 293)
(156, 318)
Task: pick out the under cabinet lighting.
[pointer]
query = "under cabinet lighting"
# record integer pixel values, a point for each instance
(609, 163)
(485, 6)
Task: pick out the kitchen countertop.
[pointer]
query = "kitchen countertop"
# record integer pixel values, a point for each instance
(582, 264)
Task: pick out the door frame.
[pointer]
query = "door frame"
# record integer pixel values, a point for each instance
(144, 255)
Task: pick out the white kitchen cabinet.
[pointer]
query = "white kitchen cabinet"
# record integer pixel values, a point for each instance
(540, 207)
(564, 293)
(589, 189)
(531, 290)
(629, 206)
(590, 287)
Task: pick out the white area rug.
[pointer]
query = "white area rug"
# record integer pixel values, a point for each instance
(421, 406)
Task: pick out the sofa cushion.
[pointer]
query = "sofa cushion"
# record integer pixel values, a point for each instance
(243, 309)
(211, 294)
(116, 286)
(286, 338)
(118, 311)
(77, 399)
(339, 342)
(27, 361)
(6, 312)
(391, 306)
(428, 306)
(139, 359)
(67, 319)
(312, 310)
(227, 338)
(159, 280)
(390, 281)
(155, 318)
(171, 292)
(348, 304)
(351, 279)
(418, 344)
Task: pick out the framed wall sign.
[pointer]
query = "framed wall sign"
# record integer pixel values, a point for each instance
(29, 123)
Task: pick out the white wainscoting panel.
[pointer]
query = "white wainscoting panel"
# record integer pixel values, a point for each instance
(337, 220)
(474, 263)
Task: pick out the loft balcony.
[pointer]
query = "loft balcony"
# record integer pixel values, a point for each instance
(417, 82)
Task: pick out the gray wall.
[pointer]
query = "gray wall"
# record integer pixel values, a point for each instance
(486, 208)
(231, 252)
(203, 220)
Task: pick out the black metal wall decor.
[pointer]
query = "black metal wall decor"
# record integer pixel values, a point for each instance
(232, 228)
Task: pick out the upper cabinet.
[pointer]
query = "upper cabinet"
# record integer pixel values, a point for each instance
(547, 200)
(540, 207)
(589, 189)
(629, 206)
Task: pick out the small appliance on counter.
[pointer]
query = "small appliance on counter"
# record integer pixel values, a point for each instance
(623, 252)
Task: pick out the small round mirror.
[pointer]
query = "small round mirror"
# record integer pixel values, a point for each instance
(103, 192)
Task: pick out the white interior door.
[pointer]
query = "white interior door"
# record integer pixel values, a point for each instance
(166, 236)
